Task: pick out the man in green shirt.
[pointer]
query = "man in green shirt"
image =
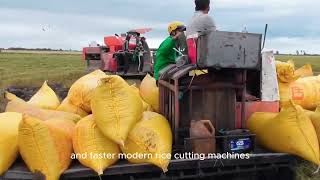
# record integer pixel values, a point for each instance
(166, 54)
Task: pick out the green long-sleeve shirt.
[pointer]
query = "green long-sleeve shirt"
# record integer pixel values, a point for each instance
(165, 55)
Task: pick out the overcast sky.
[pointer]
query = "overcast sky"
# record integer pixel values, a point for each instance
(72, 24)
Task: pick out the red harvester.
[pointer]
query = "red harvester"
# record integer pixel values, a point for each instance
(127, 54)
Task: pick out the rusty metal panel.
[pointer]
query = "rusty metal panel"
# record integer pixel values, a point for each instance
(216, 105)
(93, 50)
(219, 49)
(93, 65)
(253, 107)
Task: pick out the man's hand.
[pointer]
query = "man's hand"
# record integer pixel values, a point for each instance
(177, 35)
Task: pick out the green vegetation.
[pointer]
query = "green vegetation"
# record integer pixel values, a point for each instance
(306, 171)
(32, 70)
(302, 60)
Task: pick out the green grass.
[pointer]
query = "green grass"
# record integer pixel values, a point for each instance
(32, 70)
(302, 60)
(306, 171)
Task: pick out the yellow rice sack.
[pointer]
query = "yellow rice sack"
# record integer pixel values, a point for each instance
(9, 123)
(44, 148)
(67, 106)
(304, 92)
(81, 92)
(116, 109)
(45, 98)
(286, 71)
(291, 131)
(146, 106)
(16, 104)
(304, 71)
(89, 143)
(315, 119)
(152, 138)
(150, 92)
(67, 126)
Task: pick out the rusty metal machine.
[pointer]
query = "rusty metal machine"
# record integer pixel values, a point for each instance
(127, 55)
(227, 89)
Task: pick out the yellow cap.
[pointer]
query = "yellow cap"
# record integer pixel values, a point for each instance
(174, 25)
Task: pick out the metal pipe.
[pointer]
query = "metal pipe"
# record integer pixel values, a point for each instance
(214, 86)
(244, 92)
(177, 109)
(161, 99)
(190, 103)
(167, 85)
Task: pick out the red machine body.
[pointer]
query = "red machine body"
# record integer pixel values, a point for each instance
(109, 62)
(90, 51)
(115, 44)
(126, 53)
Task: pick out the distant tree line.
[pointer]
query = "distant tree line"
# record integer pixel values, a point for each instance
(298, 53)
(301, 52)
(33, 49)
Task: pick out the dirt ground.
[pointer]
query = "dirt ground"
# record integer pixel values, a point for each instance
(26, 93)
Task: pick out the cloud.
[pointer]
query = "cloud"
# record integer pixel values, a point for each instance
(74, 30)
(75, 23)
(290, 45)
(270, 4)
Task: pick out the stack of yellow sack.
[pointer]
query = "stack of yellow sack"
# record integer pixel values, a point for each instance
(146, 106)
(18, 105)
(116, 108)
(46, 132)
(150, 92)
(315, 119)
(290, 131)
(67, 106)
(150, 136)
(45, 98)
(44, 147)
(286, 71)
(88, 140)
(304, 92)
(118, 113)
(9, 123)
(81, 93)
(42, 135)
(298, 85)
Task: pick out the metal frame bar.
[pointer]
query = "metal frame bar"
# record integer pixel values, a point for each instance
(178, 169)
(244, 92)
(169, 89)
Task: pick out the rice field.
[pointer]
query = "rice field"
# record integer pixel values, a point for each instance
(302, 60)
(25, 68)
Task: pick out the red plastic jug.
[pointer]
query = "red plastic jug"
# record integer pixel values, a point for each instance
(202, 134)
